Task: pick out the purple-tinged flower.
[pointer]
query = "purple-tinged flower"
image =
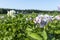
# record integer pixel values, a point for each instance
(42, 24)
(57, 17)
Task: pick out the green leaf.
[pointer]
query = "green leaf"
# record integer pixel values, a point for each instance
(44, 34)
(27, 39)
(28, 29)
(57, 31)
(35, 36)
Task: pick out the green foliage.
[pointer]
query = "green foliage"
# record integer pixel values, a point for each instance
(53, 29)
(18, 28)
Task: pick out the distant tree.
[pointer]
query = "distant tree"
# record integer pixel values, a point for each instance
(1, 11)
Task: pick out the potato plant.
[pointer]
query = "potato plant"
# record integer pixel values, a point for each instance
(18, 28)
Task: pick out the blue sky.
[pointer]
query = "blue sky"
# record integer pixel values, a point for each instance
(30, 4)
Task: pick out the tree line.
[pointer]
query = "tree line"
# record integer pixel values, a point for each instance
(4, 11)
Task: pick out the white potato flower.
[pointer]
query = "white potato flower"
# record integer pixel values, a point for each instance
(40, 15)
(11, 13)
(46, 15)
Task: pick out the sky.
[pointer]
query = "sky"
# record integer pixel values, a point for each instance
(30, 4)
